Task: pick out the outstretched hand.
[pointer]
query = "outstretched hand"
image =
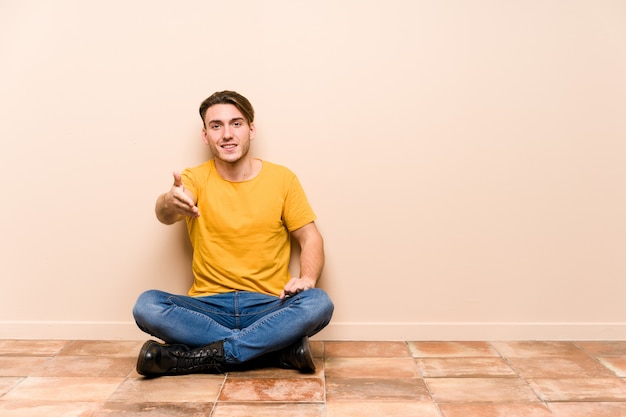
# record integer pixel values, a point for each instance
(178, 198)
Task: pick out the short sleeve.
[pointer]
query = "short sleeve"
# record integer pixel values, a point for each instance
(189, 181)
(297, 211)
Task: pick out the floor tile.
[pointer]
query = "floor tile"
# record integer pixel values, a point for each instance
(495, 410)
(86, 366)
(616, 364)
(171, 389)
(269, 410)
(371, 368)
(612, 348)
(103, 348)
(584, 389)
(574, 409)
(187, 409)
(20, 365)
(451, 349)
(381, 409)
(525, 349)
(376, 389)
(574, 366)
(472, 390)
(273, 389)
(29, 408)
(64, 389)
(366, 349)
(32, 347)
(464, 367)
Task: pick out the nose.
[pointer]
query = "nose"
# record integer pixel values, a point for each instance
(228, 132)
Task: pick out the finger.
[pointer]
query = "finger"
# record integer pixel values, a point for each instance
(184, 203)
(193, 212)
(290, 287)
(182, 197)
(178, 192)
(178, 180)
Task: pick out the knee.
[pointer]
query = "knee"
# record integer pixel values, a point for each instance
(147, 305)
(321, 302)
(320, 310)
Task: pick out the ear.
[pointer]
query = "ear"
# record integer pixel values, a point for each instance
(204, 136)
(252, 131)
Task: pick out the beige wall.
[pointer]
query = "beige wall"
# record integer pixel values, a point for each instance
(465, 158)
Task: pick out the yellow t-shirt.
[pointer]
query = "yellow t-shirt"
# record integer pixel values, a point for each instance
(241, 240)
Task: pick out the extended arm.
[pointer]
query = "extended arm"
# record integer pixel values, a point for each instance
(311, 260)
(176, 204)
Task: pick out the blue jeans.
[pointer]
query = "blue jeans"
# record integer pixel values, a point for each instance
(250, 324)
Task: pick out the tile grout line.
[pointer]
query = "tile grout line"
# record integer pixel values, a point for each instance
(510, 365)
(596, 359)
(324, 374)
(17, 384)
(101, 405)
(423, 378)
(219, 393)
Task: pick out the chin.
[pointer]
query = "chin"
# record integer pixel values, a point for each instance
(230, 159)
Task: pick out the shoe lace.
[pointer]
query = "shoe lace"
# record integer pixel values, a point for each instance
(198, 360)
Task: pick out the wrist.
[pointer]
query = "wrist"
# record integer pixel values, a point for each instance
(309, 281)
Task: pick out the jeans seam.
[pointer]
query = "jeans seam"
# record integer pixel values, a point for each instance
(267, 317)
(181, 302)
(196, 313)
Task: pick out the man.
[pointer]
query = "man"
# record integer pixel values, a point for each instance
(241, 213)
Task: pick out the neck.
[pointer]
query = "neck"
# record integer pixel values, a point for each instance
(241, 170)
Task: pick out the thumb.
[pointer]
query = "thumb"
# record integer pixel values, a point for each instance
(178, 181)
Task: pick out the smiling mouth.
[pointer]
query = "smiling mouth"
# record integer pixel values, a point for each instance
(229, 146)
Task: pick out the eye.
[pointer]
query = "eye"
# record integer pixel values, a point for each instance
(237, 124)
(215, 126)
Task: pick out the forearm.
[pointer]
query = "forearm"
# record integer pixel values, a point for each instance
(312, 259)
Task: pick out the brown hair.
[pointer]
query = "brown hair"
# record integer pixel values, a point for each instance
(228, 97)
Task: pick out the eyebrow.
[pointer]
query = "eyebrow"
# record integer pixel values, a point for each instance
(236, 119)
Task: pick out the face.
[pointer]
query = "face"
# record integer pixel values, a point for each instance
(227, 133)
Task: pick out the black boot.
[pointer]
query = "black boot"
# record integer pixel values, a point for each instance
(156, 359)
(297, 356)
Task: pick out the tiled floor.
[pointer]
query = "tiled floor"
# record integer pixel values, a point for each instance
(397, 379)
